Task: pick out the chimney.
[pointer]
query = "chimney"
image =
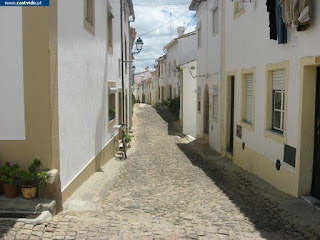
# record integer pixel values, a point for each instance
(180, 31)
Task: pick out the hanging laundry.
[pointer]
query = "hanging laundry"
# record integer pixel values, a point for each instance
(304, 20)
(289, 11)
(281, 27)
(297, 13)
(271, 8)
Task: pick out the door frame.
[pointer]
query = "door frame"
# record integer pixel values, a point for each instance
(230, 75)
(305, 147)
(206, 110)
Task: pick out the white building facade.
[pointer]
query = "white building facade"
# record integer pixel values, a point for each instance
(67, 81)
(269, 90)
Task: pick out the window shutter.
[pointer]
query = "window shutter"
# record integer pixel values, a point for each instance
(278, 80)
(249, 97)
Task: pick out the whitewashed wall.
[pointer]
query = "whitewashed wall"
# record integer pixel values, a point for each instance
(189, 98)
(209, 68)
(187, 49)
(258, 50)
(83, 93)
(12, 119)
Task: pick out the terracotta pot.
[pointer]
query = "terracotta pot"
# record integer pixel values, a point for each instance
(11, 190)
(29, 192)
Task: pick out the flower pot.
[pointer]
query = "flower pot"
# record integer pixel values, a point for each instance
(29, 192)
(11, 190)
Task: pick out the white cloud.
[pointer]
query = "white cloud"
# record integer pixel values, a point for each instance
(149, 18)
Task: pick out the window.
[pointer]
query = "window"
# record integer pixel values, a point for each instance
(119, 67)
(249, 98)
(170, 92)
(110, 28)
(174, 92)
(169, 69)
(174, 68)
(112, 100)
(278, 103)
(215, 106)
(215, 21)
(199, 36)
(239, 9)
(199, 100)
(126, 55)
(89, 16)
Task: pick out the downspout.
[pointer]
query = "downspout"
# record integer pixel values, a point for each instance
(122, 61)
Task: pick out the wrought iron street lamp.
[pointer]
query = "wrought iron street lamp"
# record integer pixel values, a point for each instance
(139, 44)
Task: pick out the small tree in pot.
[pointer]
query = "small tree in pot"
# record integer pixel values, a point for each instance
(30, 179)
(9, 178)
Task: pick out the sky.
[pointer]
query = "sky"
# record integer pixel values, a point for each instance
(155, 15)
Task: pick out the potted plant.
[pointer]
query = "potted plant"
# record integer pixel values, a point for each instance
(29, 180)
(112, 114)
(9, 179)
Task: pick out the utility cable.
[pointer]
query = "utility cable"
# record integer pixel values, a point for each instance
(191, 21)
(160, 5)
(163, 25)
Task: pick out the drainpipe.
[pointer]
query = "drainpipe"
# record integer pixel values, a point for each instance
(122, 60)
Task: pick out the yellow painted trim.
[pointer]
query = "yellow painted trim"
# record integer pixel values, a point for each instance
(101, 159)
(268, 103)
(237, 14)
(305, 147)
(244, 123)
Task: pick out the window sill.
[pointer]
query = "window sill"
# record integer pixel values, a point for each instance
(111, 123)
(215, 34)
(89, 27)
(238, 14)
(247, 125)
(215, 120)
(110, 50)
(275, 136)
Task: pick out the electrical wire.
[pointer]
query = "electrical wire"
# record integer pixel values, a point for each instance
(163, 25)
(191, 20)
(160, 5)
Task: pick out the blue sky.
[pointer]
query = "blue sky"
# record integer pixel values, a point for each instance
(152, 14)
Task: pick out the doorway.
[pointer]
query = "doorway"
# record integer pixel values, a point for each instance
(230, 126)
(315, 190)
(206, 111)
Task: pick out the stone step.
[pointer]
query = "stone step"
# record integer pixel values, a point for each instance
(28, 205)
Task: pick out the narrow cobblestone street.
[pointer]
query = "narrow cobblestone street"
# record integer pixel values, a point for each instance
(172, 188)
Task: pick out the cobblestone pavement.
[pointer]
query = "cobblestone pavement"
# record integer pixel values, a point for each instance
(173, 189)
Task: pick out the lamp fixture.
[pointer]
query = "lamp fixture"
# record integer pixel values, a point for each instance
(139, 45)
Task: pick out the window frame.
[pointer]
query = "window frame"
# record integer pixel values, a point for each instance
(199, 35)
(244, 122)
(199, 100)
(236, 12)
(90, 27)
(215, 102)
(215, 26)
(269, 131)
(110, 17)
(111, 122)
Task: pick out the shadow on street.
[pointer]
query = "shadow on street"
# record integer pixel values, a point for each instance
(255, 198)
